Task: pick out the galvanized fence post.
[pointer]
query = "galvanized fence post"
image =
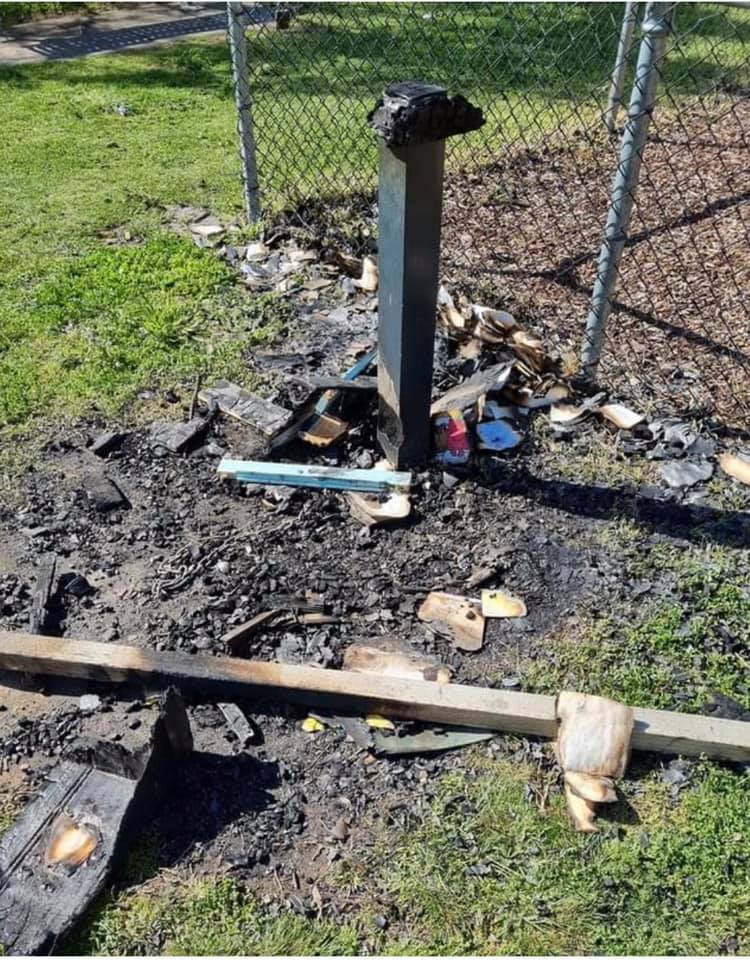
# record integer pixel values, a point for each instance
(238, 51)
(617, 83)
(655, 28)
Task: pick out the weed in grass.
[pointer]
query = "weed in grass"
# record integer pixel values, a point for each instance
(622, 535)
(10, 807)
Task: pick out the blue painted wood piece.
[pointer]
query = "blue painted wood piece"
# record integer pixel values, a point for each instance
(311, 475)
(351, 374)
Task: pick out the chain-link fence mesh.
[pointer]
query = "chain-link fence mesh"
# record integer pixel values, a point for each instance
(526, 197)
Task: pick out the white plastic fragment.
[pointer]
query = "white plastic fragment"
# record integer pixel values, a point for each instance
(623, 417)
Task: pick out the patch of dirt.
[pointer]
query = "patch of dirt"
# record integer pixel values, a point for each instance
(189, 556)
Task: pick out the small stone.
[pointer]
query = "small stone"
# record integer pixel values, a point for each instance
(340, 829)
(222, 566)
(89, 703)
(381, 922)
(511, 683)
(79, 586)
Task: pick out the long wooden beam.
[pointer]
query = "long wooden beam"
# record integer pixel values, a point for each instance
(226, 678)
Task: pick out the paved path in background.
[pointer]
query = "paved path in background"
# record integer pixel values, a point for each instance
(111, 28)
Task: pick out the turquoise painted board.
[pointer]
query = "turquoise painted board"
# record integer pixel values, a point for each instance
(311, 475)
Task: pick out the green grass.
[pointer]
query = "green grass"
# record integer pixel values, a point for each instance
(666, 879)
(672, 653)
(10, 807)
(665, 875)
(204, 918)
(11, 12)
(84, 324)
(533, 68)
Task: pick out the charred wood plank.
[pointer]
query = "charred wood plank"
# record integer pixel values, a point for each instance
(224, 678)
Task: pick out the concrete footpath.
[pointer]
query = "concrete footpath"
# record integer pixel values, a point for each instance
(107, 29)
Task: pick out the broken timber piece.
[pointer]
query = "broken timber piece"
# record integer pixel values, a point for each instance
(236, 638)
(269, 418)
(105, 443)
(58, 855)
(42, 592)
(392, 657)
(174, 436)
(359, 385)
(468, 392)
(308, 418)
(322, 429)
(238, 723)
(310, 475)
(462, 618)
(593, 749)
(373, 513)
(227, 678)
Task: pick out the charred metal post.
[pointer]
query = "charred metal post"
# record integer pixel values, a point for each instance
(413, 119)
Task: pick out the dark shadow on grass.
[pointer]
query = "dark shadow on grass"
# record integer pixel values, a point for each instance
(696, 523)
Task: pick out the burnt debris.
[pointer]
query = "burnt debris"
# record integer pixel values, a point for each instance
(412, 113)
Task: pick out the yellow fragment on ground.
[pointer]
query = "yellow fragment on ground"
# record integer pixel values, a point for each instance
(498, 603)
(312, 725)
(377, 722)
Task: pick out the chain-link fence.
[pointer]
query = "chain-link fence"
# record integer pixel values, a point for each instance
(527, 196)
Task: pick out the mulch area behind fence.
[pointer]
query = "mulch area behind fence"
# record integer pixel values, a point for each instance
(525, 233)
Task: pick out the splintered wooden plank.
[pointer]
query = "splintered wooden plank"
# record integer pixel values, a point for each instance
(176, 436)
(58, 854)
(42, 592)
(323, 404)
(311, 475)
(359, 385)
(269, 418)
(41, 899)
(466, 393)
(228, 679)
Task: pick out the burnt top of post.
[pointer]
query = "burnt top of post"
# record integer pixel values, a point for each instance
(410, 113)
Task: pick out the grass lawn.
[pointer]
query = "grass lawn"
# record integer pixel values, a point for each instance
(85, 324)
(674, 880)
